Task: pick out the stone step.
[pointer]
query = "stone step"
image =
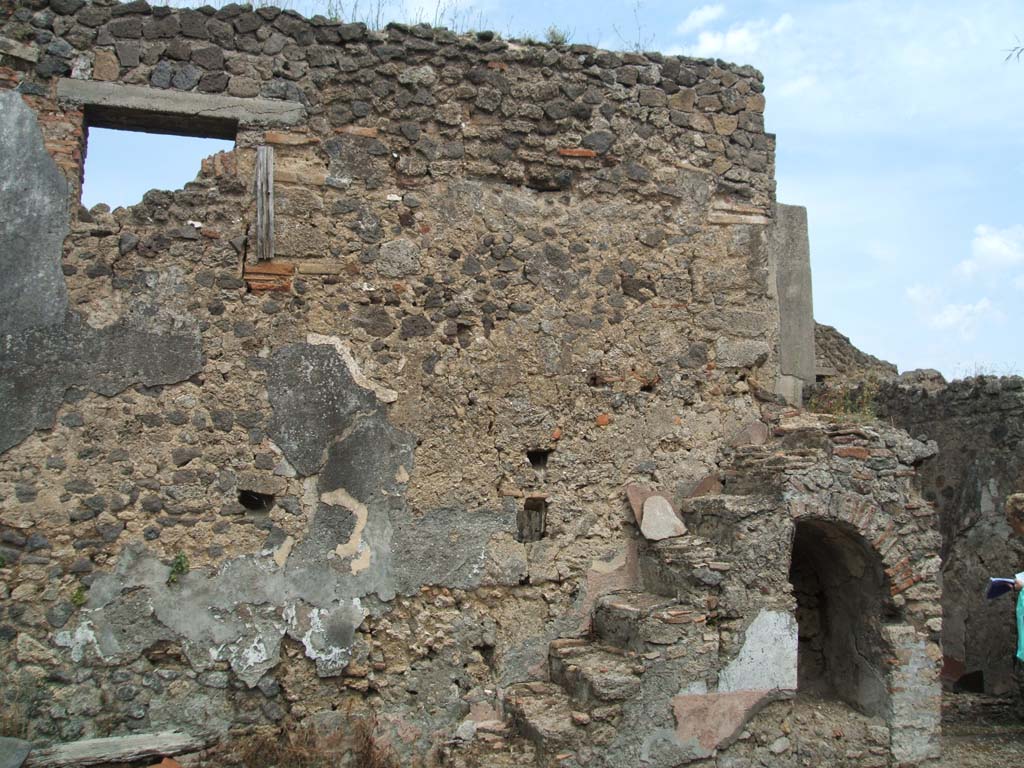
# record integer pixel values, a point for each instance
(542, 713)
(642, 621)
(687, 568)
(593, 673)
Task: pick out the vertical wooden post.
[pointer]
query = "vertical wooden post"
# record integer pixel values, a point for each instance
(264, 203)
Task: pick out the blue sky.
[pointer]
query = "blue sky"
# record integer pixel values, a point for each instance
(900, 127)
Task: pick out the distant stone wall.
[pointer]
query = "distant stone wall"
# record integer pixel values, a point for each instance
(838, 361)
(978, 424)
(382, 473)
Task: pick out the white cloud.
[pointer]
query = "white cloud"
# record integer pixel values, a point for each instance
(963, 319)
(739, 41)
(993, 249)
(700, 18)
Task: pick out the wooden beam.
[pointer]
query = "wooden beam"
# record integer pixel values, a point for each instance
(117, 749)
(264, 203)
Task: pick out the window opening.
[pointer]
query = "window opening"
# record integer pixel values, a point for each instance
(123, 163)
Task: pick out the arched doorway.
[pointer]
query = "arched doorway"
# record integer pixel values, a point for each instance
(842, 601)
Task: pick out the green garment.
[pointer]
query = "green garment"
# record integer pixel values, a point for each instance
(1020, 626)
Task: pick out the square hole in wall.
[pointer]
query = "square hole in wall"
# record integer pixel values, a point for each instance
(532, 520)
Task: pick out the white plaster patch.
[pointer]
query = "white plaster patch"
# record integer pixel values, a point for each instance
(329, 658)
(384, 394)
(767, 660)
(78, 641)
(255, 653)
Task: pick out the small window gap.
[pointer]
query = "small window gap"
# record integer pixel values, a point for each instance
(121, 165)
(532, 519)
(538, 458)
(255, 501)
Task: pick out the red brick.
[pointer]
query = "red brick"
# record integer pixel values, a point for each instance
(359, 130)
(288, 139)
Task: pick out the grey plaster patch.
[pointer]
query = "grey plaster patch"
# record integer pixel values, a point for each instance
(39, 365)
(366, 461)
(33, 223)
(324, 421)
(327, 634)
(647, 735)
(332, 524)
(314, 401)
(46, 349)
(446, 546)
(237, 614)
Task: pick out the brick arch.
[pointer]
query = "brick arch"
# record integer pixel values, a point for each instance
(843, 601)
(874, 525)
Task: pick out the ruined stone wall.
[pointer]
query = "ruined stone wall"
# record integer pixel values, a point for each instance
(978, 424)
(384, 471)
(838, 361)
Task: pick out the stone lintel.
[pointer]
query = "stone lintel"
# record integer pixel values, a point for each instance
(136, 107)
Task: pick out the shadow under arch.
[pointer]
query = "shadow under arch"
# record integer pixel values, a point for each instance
(843, 600)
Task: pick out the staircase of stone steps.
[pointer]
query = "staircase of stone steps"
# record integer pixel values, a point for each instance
(643, 643)
(655, 681)
(572, 718)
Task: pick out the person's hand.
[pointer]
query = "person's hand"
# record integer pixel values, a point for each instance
(1018, 585)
